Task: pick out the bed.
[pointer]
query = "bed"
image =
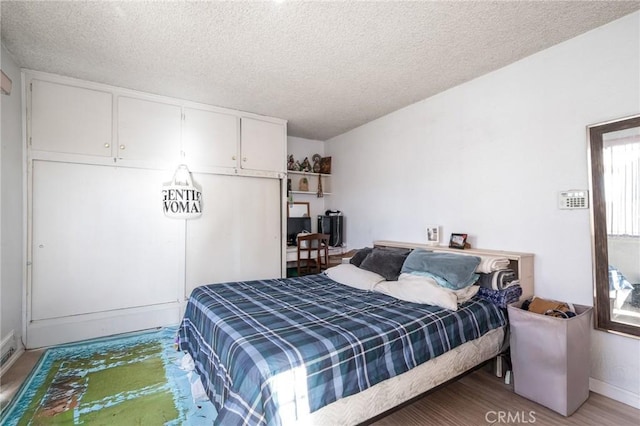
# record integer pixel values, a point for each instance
(311, 350)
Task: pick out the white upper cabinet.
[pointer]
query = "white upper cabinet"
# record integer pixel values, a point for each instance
(93, 123)
(70, 119)
(148, 130)
(262, 145)
(210, 138)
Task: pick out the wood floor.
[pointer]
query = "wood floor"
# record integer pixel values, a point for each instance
(479, 398)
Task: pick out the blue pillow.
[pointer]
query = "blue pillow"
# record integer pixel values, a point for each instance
(450, 270)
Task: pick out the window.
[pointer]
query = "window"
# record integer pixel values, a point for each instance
(621, 157)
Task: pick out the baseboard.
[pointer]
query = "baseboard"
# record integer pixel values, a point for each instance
(8, 347)
(81, 327)
(11, 360)
(614, 393)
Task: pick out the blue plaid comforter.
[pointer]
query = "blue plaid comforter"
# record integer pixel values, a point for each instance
(270, 351)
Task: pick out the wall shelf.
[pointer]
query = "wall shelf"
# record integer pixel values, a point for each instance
(293, 172)
(312, 178)
(308, 192)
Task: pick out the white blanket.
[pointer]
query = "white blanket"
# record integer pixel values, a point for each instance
(421, 289)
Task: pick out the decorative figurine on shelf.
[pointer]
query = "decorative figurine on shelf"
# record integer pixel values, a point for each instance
(316, 163)
(303, 185)
(296, 166)
(306, 166)
(291, 164)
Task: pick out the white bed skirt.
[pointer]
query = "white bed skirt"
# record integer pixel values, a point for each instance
(385, 395)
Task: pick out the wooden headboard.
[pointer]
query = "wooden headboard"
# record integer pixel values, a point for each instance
(521, 263)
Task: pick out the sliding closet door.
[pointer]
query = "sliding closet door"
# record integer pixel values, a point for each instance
(238, 236)
(100, 241)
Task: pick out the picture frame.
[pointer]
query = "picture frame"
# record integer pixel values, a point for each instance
(325, 165)
(458, 241)
(433, 235)
(298, 209)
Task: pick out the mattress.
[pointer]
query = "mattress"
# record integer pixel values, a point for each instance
(273, 351)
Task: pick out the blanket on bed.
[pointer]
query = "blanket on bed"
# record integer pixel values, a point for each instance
(271, 351)
(498, 280)
(501, 298)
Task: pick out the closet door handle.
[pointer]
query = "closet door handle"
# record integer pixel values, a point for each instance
(122, 146)
(106, 145)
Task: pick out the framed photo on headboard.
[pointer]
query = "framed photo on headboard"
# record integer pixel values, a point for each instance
(458, 241)
(433, 235)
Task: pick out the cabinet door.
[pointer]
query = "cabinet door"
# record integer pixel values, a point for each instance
(70, 119)
(101, 241)
(263, 145)
(148, 130)
(210, 138)
(238, 235)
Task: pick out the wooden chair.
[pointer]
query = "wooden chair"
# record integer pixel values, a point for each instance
(313, 253)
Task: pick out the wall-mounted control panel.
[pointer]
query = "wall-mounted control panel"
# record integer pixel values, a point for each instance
(573, 199)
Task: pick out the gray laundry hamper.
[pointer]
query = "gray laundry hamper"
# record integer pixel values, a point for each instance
(550, 357)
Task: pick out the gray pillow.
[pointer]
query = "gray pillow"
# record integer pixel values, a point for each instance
(360, 255)
(386, 262)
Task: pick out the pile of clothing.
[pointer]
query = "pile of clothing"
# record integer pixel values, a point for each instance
(498, 283)
(549, 307)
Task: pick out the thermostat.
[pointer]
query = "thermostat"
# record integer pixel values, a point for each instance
(573, 199)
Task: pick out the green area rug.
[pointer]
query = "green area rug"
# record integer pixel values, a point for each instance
(132, 379)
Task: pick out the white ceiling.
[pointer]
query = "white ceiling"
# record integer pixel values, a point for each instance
(327, 67)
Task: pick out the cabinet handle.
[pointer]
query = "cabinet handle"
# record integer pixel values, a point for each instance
(233, 158)
(244, 159)
(121, 146)
(106, 145)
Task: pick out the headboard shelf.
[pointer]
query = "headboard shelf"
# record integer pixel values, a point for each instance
(521, 263)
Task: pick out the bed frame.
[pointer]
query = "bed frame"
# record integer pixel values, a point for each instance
(395, 393)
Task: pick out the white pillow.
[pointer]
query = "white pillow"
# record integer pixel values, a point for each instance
(351, 275)
(421, 289)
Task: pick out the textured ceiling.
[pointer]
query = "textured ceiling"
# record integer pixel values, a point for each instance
(327, 67)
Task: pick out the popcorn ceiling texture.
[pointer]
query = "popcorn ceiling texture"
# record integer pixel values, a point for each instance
(327, 67)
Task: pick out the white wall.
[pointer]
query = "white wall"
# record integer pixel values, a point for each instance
(12, 205)
(489, 157)
(301, 148)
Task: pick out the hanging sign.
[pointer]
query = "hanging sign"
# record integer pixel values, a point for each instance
(181, 199)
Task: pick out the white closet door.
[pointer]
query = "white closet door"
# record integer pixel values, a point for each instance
(210, 138)
(238, 236)
(101, 241)
(70, 119)
(148, 130)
